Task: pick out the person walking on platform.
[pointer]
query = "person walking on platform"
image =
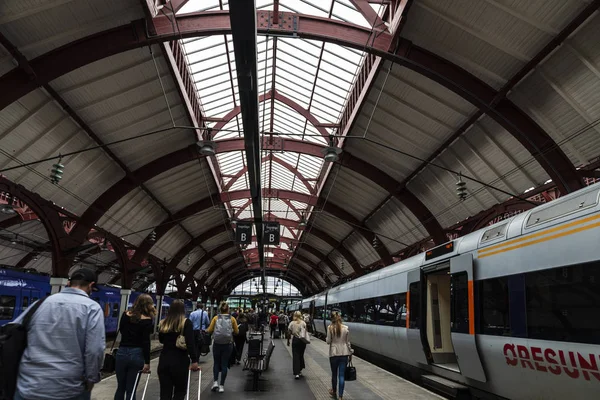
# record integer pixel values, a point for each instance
(241, 337)
(175, 357)
(200, 321)
(296, 327)
(224, 327)
(65, 344)
(273, 322)
(134, 349)
(283, 322)
(339, 353)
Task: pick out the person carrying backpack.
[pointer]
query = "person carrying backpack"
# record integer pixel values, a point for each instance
(223, 326)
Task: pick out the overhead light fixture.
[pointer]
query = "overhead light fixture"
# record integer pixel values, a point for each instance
(461, 190)
(207, 147)
(302, 223)
(331, 153)
(14, 241)
(376, 243)
(8, 208)
(57, 171)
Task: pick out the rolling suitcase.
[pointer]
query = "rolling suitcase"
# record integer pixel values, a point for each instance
(276, 334)
(137, 381)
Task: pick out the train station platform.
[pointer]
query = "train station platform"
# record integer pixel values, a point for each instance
(373, 383)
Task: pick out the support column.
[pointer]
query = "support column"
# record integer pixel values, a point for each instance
(159, 303)
(58, 284)
(125, 293)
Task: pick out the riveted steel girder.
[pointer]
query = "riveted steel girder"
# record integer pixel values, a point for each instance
(46, 211)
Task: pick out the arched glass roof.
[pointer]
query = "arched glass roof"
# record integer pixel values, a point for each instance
(274, 285)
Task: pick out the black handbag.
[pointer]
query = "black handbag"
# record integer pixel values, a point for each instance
(350, 374)
(109, 359)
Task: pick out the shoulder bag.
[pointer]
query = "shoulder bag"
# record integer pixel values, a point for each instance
(350, 374)
(180, 342)
(304, 335)
(13, 341)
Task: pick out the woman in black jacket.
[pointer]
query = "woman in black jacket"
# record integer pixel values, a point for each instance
(134, 350)
(174, 362)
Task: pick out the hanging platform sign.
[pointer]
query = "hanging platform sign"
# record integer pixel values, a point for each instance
(271, 233)
(243, 233)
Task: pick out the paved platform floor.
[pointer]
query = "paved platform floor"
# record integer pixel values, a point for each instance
(373, 383)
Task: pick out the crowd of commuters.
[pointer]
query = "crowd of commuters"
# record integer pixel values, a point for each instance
(66, 344)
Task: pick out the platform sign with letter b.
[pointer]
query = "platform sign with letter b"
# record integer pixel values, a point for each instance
(243, 233)
(271, 233)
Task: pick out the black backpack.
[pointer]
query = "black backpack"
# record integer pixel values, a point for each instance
(13, 341)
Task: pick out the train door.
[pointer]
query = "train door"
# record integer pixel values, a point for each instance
(437, 299)
(463, 317)
(413, 318)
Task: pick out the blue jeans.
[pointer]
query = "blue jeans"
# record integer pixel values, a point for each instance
(129, 361)
(82, 396)
(221, 354)
(338, 369)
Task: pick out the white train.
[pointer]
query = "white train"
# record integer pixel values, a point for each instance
(512, 310)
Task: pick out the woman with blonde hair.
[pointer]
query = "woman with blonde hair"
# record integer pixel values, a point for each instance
(339, 352)
(224, 327)
(134, 349)
(296, 328)
(174, 360)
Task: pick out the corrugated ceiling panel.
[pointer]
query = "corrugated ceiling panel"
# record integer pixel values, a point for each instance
(226, 253)
(190, 259)
(134, 212)
(43, 264)
(11, 254)
(218, 240)
(204, 221)
(37, 27)
(316, 243)
(395, 221)
(182, 185)
(361, 249)
(170, 243)
(343, 265)
(333, 226)
(341, 190)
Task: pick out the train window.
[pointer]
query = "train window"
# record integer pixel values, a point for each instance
(319, 312)
(459, 294)
(562, 304)
(415, 305)
(389, 309)
(25, 302)
(7, 307)
(494, 307)
(350, 311)
(115, 312)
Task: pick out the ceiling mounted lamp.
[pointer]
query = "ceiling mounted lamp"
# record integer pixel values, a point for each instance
(14, 241)
(331, 153)
(207, 147)
(461, 190)
(302, 223)
(57, 171)
(376, 243)
(8, 208)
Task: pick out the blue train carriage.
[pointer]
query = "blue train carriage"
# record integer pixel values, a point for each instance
(109, 299)
(18, 290)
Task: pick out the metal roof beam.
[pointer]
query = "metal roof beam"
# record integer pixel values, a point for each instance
(49, 66)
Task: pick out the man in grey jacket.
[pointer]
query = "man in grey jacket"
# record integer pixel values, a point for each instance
(65, 344)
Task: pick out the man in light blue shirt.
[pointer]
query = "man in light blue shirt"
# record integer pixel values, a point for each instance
(200, 323)
(65, 344)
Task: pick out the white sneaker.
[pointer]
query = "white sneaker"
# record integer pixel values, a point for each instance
(215, 386)
(297, 376)
(221, 389)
